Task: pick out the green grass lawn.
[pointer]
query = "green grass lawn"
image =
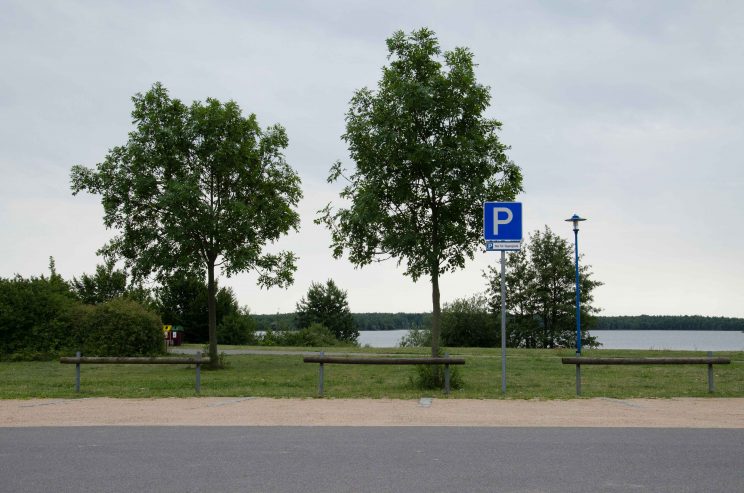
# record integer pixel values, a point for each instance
(530, 374)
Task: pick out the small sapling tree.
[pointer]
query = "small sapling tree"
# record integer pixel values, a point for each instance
(327, 305)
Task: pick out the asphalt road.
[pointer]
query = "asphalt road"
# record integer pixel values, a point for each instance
(184, 459)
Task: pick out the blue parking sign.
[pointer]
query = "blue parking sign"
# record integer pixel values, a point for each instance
(502, 221)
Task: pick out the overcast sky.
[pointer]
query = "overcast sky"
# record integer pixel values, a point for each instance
(627, 113)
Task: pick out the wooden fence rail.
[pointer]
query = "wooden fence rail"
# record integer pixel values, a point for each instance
(119, 360)
(709, 360)
(322, 360)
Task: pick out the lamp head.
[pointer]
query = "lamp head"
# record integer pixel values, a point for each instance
(575, 219)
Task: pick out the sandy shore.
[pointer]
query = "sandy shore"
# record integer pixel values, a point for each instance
(226, 411)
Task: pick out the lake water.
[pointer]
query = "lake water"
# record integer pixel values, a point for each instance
(688, 340)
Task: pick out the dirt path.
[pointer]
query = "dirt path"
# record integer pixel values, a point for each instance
(214, 411)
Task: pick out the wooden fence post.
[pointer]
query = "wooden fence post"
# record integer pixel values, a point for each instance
(446, 376)
(77, 373)
(320, 378)
(198, 371)
(711, 385)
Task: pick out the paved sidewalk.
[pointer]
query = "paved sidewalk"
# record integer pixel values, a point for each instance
(226, 411)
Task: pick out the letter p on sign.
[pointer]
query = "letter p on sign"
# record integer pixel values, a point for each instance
(502, 215)
(502, 221)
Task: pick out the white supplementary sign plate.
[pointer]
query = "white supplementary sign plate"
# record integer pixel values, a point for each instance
(495, 246)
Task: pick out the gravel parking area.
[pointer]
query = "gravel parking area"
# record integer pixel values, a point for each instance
(211, 411)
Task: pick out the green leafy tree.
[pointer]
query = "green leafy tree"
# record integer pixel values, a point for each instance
(541, 294)
(327, 305)
(468, 322)
(523, 324)
(196, 189)
(109, 283)
(237, 328)
(105, 285)
(279, 321)
(426, 160)
(182, 300)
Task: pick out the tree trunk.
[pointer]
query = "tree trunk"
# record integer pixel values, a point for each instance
(212, 307)
(436, 315)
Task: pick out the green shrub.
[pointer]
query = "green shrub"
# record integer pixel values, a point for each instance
(36, 315)
(416, 338)
(269, 338)
(122, 327)
(430, 377)
(316, 335)
(287, 338)
(327, 305)
(467, 322)
(236, 329)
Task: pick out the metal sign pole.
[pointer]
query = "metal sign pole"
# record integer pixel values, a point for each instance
(502, 230)
(503, 322)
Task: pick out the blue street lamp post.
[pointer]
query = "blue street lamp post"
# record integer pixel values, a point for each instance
(575, 219)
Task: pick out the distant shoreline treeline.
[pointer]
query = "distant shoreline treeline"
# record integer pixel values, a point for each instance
(406, 321)
(363, 321)
(669, 322)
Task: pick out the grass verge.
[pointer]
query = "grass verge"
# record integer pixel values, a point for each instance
(531, 374)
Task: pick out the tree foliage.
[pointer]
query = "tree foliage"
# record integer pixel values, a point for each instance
(196, 188)
(468, 322)
(37, 314)
(237, 328)
(327, 305)
(41, 317)
(391, 321)
(278, 321)
(316, 335)
(541, 294)
(106, 284)
(416, 338)
(182, 300)
(363, 321)
(426, 159)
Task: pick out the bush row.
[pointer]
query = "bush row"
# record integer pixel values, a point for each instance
(40, 318)
(316, 335)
